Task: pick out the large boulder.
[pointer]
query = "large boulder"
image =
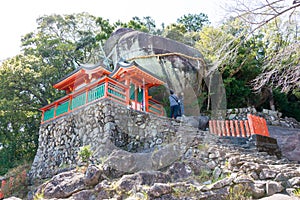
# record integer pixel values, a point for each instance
(180, 66)
(288, 140)
(62, 185)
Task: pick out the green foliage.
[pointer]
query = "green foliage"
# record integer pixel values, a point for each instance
(240, 192)
(296, 192)
(203, 176)
(146, 24)
(106, 29)
(64, 41)
(289, 104)
(238, 94)
(22, 92)
(39, 196)
(193, 22)
(85, 153)
(237, 58)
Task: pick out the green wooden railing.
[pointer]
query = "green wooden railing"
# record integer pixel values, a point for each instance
(78, 101)
(62, 108)
(49, 114)
(107, 88)
(117, 91)
(96, 93)
(156, 107)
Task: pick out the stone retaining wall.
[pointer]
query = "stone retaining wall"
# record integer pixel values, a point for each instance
(274, 118)
(106, 127)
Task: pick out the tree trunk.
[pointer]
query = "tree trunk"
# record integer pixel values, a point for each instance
(271, 100)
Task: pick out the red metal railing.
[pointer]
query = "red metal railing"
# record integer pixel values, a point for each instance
(240, 128)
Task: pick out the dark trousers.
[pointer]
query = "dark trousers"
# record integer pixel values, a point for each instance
(174, 111)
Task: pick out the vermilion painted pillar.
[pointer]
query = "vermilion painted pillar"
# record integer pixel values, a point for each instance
(106, 87)
(146, 98)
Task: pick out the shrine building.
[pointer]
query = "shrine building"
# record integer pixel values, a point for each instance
(128, 84)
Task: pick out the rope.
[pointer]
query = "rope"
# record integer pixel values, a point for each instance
(168, 54)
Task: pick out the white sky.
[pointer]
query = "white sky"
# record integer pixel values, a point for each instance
(17, 17)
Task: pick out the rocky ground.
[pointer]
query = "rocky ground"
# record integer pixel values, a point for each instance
(212, 168)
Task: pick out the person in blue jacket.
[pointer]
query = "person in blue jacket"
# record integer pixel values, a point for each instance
(174, 105)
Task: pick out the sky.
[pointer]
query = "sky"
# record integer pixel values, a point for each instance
(18, 17)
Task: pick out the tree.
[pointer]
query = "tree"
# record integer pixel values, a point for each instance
(146, 24)
(261, 12)
(237, 59)
(194, 22)
(23, 90)
(58, 45)
(282, 44)
(64, 41)
(281, 61)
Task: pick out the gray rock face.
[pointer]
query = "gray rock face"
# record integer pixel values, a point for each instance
(127, 182)
(62, 185)
(159, 189)
(200, 122)
(92, 175)
(288, 140)
(237, 173)
(178, 70)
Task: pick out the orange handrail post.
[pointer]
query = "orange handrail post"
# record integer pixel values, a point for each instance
(256, 125)
(236, 122)
(86, 95)
(55, 108)
(217, 127)
(227, 128)
(43, 114)
(242, 126)
(214, 126)
(232, 128)
(70, 102)
(210, 126)
(219, 130)
(251, 124)
(223, 128)
(266, 130)
(247, 128)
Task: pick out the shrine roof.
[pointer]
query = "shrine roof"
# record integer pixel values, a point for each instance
(80, 74)
(134, 70)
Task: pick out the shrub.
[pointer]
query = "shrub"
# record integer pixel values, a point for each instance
(85, 154)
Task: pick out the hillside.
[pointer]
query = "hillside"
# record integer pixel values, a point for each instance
(211, 168)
